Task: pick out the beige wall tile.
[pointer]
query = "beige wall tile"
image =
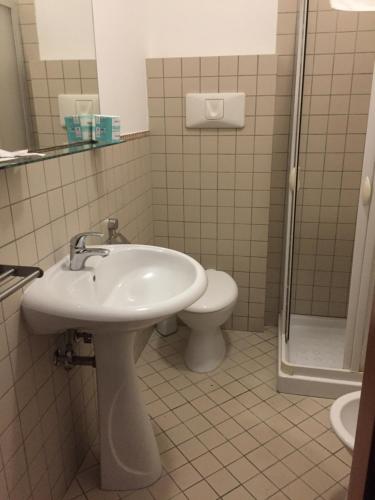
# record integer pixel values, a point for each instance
(190, 67)
(228, 66)
(209, 66)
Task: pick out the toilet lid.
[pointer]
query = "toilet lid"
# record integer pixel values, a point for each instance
(221, 292)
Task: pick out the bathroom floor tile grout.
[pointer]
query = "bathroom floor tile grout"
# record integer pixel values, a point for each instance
(228, 434)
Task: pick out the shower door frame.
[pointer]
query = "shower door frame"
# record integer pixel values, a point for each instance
(292, 184)
(363, 272)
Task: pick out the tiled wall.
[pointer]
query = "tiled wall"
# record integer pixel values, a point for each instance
(211, 188)
(48, 417)
(339, 67)
(47, 79)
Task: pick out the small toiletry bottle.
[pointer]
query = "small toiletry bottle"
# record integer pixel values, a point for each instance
(86, 126)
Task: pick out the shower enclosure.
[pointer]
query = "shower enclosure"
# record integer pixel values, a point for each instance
(330, 226)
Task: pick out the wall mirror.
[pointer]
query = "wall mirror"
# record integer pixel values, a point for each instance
(45, 52)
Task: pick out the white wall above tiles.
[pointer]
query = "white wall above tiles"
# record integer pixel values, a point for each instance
(211, 28)
(120, 32)
(128, 32)
(65, 29)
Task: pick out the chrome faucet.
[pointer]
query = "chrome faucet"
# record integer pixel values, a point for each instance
(79, 253)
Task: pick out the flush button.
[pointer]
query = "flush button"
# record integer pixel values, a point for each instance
(214, 109)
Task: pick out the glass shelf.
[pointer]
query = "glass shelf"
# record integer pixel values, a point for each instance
(55, 152)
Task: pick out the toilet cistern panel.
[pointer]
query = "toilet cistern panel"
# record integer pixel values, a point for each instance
(215, 110)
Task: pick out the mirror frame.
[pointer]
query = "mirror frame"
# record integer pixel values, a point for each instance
(21, 70)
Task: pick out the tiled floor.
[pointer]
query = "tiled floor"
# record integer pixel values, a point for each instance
(229, 434)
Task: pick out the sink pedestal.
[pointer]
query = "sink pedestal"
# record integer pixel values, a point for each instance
(129, 456)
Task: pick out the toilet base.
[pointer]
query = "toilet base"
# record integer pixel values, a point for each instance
(205, 350)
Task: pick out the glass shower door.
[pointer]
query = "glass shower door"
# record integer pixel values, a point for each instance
(293, 162)
(324, 203)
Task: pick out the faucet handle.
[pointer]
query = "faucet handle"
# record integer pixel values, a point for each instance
(79, 240)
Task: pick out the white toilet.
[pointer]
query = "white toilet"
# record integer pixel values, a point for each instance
(206, 346)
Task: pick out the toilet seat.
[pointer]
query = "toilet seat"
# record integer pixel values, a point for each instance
(221, 292)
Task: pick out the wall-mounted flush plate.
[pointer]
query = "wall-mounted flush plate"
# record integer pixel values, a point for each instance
(215, 110)
(77, 104)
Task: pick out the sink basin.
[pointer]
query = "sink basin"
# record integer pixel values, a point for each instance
(114, 298)
(133, 288)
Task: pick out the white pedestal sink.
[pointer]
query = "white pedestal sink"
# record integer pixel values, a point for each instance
(131, 289)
